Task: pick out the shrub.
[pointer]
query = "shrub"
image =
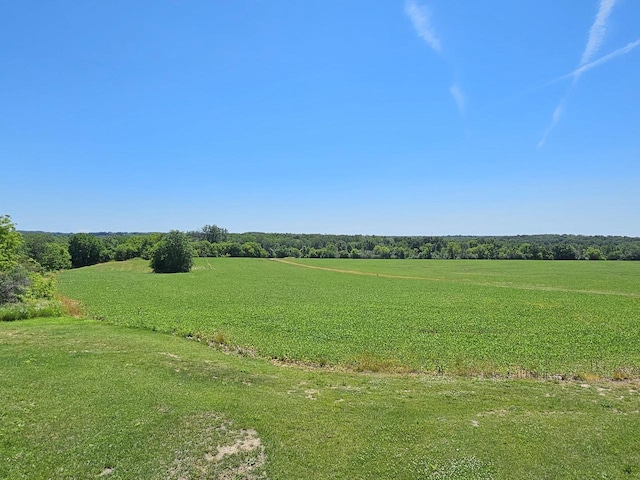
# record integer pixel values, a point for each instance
(173, 254)
(14, 283)
(41, 287)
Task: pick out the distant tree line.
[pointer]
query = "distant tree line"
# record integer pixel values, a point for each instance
(522, 247)
(60, 251)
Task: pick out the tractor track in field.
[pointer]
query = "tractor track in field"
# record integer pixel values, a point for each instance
(542, 288)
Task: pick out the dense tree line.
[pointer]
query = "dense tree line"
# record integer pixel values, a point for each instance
(523, 247)
(60, 251)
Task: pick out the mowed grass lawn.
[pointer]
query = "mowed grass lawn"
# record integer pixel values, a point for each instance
(83, 399)
(507, 318)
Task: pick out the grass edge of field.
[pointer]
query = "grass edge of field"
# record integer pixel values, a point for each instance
(392, 390)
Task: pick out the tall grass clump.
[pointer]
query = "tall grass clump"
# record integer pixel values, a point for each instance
(22, 311)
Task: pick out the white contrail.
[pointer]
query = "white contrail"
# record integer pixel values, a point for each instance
(597, 31)
(557, 113)
(594, 41)
(596, 63)
(420, 17)
(458, 96)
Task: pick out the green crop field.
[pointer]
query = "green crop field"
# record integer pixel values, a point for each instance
(505, 318)
(421, 381)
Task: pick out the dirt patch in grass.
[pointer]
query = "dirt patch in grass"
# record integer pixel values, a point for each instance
(212, 448)
(106, 471)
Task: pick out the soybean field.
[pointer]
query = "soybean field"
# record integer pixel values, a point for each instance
(490, 318)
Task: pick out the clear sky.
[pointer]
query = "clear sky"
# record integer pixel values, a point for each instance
(378, 117)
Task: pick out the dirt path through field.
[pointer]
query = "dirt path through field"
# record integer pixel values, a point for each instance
(465, 281)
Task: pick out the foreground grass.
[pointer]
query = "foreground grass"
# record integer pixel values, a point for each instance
(82, 399)
(508, 318)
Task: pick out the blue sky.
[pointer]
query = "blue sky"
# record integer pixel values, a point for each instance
(395, 118)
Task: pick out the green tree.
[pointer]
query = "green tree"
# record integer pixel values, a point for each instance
(593, 253)
(35, 245)
(563, 251)
(149, 243)
(453, 250)
(426, 250)
(204, 248)
(173, 254)
(382, 251)
(14, 277)
(329, 251)
(231, 249)
(281, 251)
(214, 233)
(84, 249)
(525, 251)
(10, 244)
(129, 247)
(56, 257)
(20, 276)
(253, 249)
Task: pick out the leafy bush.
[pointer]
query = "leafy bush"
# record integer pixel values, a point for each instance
(25, 292)
(173, 254)
(14, 284)
(21, 284)
(42, 287)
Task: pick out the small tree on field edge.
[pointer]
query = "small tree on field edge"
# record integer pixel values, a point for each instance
(173, 254)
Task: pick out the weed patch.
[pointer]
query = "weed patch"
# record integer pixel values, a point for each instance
(31, 309)
(70, 307)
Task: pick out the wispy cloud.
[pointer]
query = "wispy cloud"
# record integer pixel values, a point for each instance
(596, 63)
(594, 41)
(420, 17)
(458, 96)
(597, 31)
(557, 114)
(421, 20)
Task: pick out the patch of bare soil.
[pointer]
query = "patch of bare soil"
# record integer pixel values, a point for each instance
(212, 448)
